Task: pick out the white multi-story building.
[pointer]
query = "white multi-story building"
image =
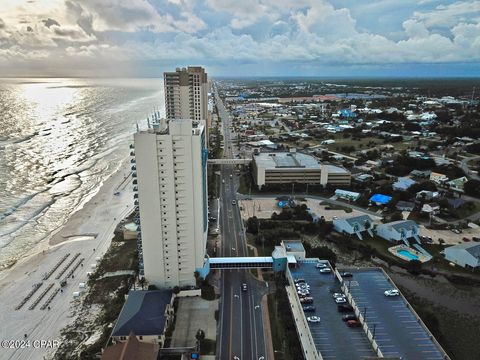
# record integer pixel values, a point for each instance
(171, 160)
(186, 93)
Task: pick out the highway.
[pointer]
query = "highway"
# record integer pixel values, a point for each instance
(241, 334)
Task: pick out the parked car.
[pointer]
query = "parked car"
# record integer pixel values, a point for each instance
(353, 323)
(306, 300)
(344, 308)
(457, 231)
(349, 317)
(325, 270)
(309, 308)
(476, 239)
(298, 281)
(234, 202)
(466, 239)
(338, 295)
(314, 319)
(346, 274)
(393, 292)
(340, 300)
(321, 265)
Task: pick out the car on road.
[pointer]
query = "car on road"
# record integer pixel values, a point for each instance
(353, 323)
(244, 287)
(321, 265)
(344, 308)
(234, 202)
(223, 181)
(314, 319)
(346, 274)
(326, 270)
(309, 308)
(340, 300)
(349, 317)
(392, 292)
(306, 300)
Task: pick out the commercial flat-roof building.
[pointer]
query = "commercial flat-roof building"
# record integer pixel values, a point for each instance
(171, 161)
(295, 167)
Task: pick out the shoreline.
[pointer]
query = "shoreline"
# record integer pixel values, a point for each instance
(75, 224)
(87, 234)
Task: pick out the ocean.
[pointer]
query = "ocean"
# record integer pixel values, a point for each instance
(59, 140)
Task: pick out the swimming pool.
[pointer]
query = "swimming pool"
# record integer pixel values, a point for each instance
(407, 254)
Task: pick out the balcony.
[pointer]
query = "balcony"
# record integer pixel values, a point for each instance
(132, 153)
(132, 146)
(133, 161)
(134, 168)
(135, 196)
(134, 174)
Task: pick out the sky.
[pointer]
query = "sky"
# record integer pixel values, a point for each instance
(128, 38)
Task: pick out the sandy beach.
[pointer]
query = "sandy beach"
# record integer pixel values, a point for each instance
(86, 235)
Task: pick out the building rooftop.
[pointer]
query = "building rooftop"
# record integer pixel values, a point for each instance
(380, 198)
(361, 219)
(286, 160)
(131, 349)
(293, 245)
(472, 248)
(333, 169)
(402, 224)
(143, 313)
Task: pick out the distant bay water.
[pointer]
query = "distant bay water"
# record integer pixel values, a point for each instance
(59, 140)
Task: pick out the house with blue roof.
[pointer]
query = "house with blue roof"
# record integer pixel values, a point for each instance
(146, 313)
(380, 199)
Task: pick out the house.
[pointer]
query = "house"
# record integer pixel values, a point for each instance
(405, 206)
(380, 199)
(354, 225)
(364, 178)
(421, 174)
(347, 195)
(146, 313)
(427, 195)
(403, 183)
(438, 178)
(131, 349)
(431, 208)
(457, 184)
(465, 255)
(401, 230)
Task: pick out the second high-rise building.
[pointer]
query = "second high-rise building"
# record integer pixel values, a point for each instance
(186, 93)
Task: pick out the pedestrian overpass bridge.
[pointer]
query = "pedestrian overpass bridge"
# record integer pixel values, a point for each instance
(278, 262)
(228, 161)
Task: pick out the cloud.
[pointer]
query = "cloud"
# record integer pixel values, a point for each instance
(298, 34)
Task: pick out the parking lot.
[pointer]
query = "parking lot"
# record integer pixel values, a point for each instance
(332, 337)
(396, 329)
